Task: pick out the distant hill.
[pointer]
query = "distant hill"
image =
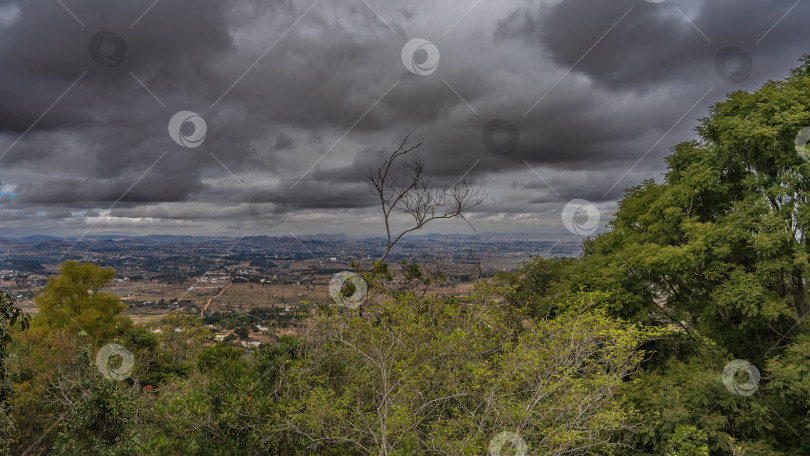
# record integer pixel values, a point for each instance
(171, 238)
(482, 236)
(38, 238)
(326, 236)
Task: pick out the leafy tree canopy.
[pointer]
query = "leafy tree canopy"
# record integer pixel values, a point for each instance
(73, 300)
(718, 250)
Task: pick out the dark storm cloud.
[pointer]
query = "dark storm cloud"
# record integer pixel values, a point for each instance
(658, 43)
(298, 101)
(45, 50)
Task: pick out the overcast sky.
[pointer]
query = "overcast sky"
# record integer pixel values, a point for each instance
(296, 97)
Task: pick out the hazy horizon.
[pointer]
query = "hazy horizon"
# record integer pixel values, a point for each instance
(431, 235)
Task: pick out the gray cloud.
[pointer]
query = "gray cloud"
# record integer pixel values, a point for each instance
(281, 90)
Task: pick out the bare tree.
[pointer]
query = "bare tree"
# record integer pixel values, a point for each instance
(411, 193)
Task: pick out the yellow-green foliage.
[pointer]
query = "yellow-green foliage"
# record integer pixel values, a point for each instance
(74, 301)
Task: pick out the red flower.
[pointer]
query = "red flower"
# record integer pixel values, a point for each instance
(148, 388)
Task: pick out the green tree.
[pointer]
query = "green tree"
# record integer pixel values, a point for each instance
(74, 301)
(687, 441)
(536, 285)
(719, 251)
(242, 331)
(101, 420)
(8, 431)
(722, 241)
(10, 315)
(222, 409)
(445, 375)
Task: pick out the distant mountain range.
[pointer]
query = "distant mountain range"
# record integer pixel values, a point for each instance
(37, 238)
(158, 238)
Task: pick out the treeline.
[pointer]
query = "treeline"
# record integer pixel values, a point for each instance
(403, 375)
(718, 252)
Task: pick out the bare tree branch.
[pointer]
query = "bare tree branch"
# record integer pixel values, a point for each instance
(411, 193)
